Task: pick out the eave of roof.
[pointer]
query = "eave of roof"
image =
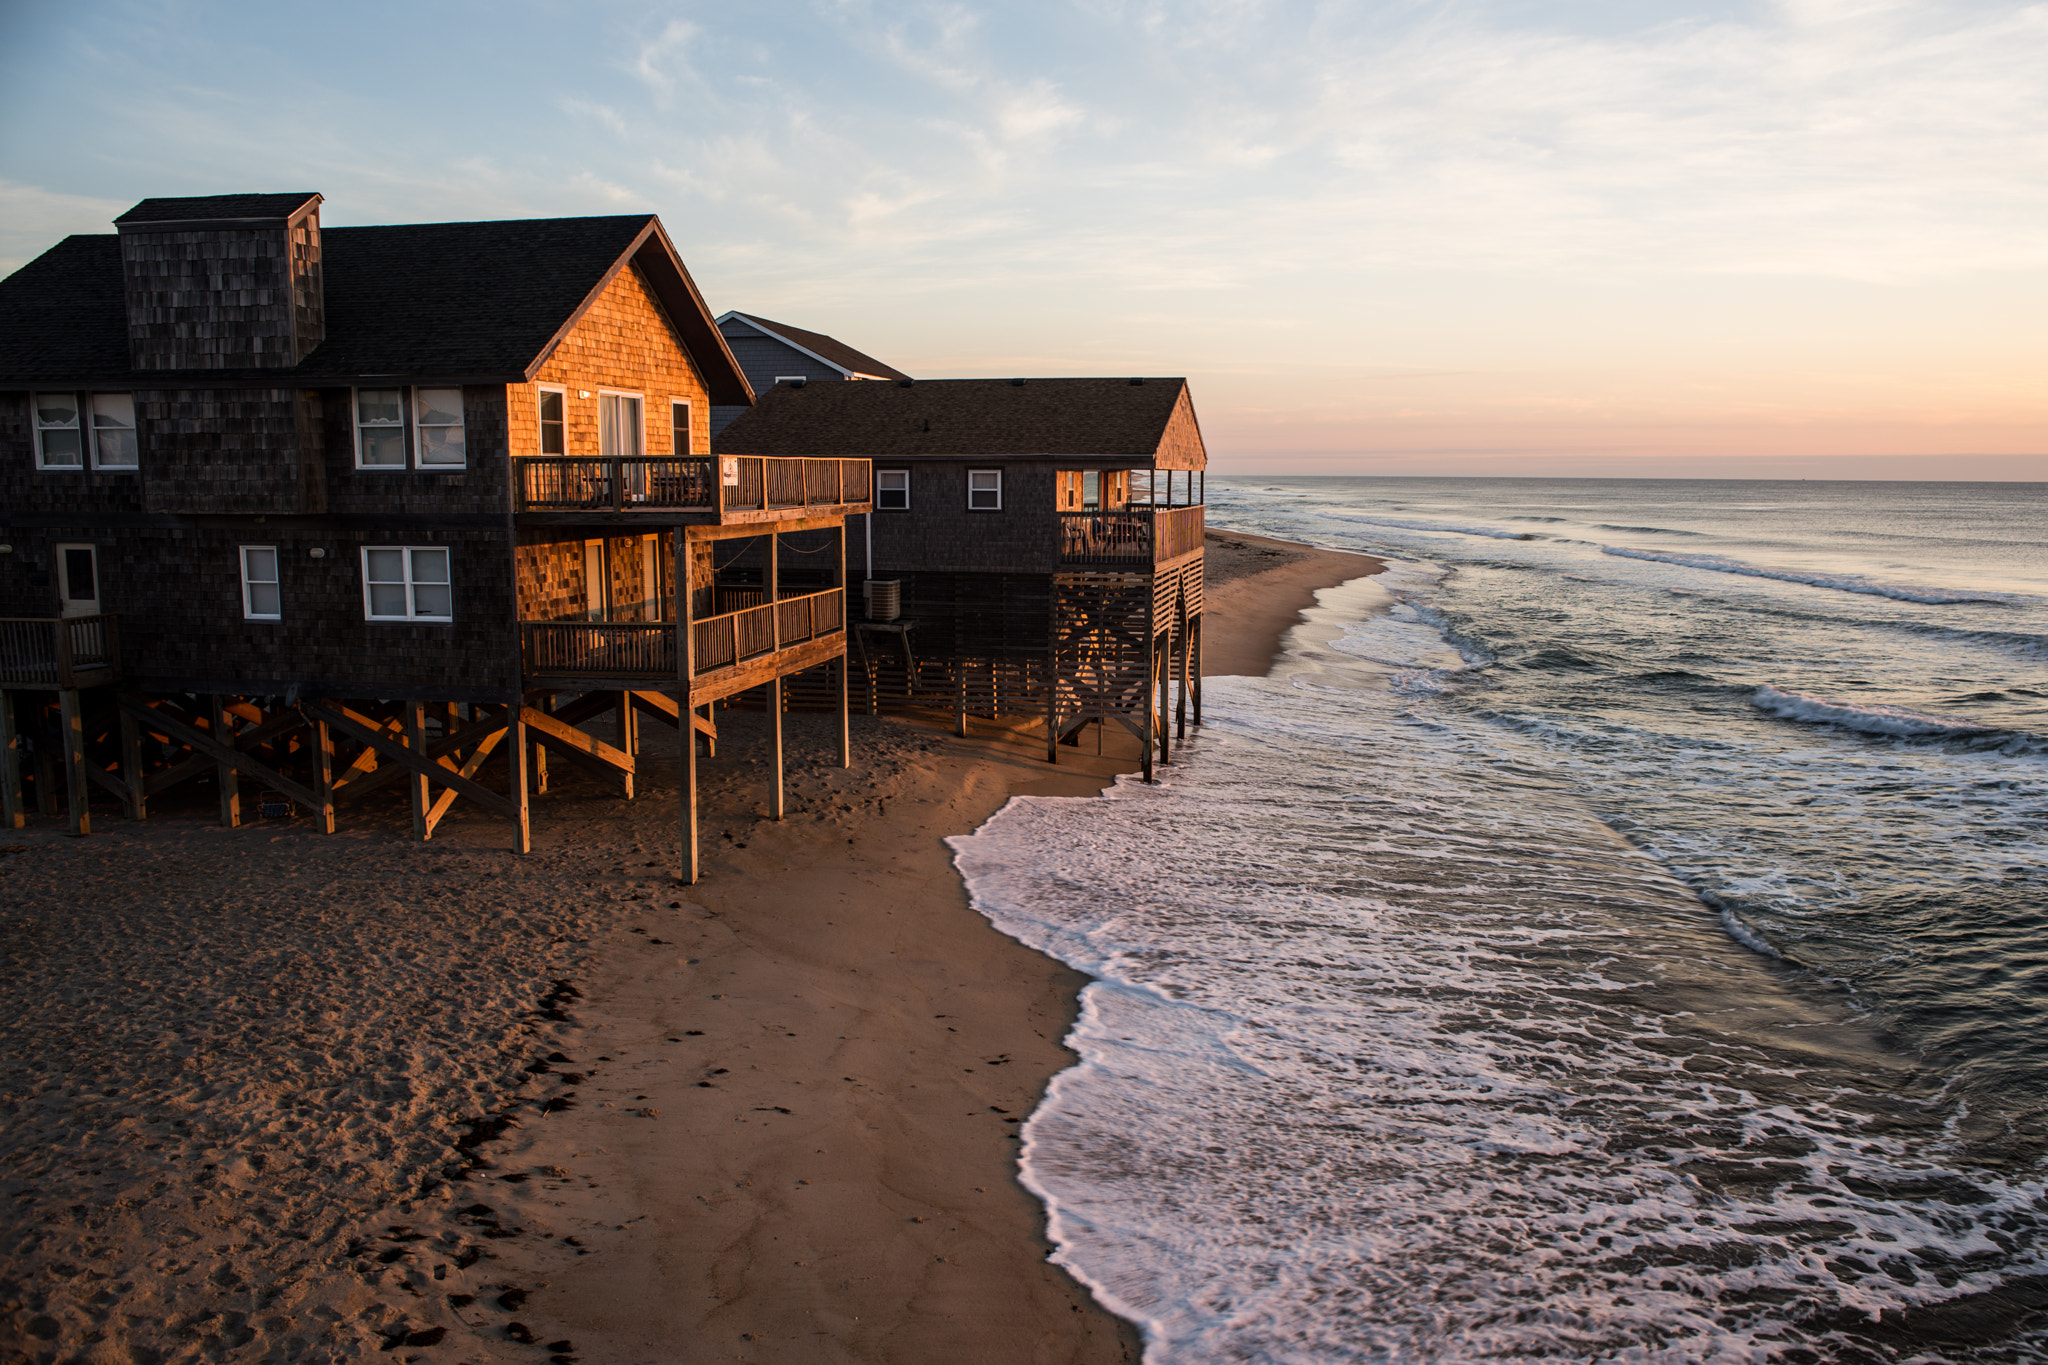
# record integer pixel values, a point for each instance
(826, 350)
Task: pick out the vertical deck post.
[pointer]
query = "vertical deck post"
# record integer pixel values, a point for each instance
(686, 706)
(628, 736)
(775, 618)
(74, 759)
(13, 815)
(775, 730)
(537, 759)
(1198, 669)
(1163, 672)
(517, 750)
(230, 780)
(845, 725)
(131, 766)
(1180, 705)
(416, 780)
(323, 776)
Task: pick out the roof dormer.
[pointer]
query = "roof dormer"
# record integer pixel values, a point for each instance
(222, 282)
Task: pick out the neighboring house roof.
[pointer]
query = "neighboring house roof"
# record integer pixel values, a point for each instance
(484, 302)
(972, 418)
(830, 350)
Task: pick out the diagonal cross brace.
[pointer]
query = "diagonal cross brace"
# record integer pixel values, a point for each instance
(220, 753)
(359, 728)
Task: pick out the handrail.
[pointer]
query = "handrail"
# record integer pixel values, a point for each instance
(657, 483)
(1130, 535)
(647, 649)
(58, 651)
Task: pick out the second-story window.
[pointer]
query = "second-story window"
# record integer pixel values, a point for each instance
(892, 490)
(984, 490)
(679, 426)
(60, 444)
(261, 596)
(439, 427)
(380, 429)
(554, 422)
(407, 583)
(618, 425)
(113, 431)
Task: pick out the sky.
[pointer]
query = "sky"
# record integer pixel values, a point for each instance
(1788, 238)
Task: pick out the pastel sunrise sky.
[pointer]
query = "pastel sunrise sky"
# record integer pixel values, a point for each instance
(1792, 238)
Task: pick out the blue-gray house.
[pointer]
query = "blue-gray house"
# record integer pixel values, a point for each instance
(771, 352)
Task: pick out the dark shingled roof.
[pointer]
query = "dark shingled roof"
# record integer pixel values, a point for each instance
(276, 207)
(829, 348)
(952, 417)
(479, 301)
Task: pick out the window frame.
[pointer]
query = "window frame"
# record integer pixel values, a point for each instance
(879, 475)
(998, 490)
(249, 612)
(461, 424)
(687, 447)
(92, 431)
(78, 424)
(540, 421)
(640, 443)
(792, 379)
(403, 427)
(409, 582)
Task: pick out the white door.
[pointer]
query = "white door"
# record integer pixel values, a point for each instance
(78, 579)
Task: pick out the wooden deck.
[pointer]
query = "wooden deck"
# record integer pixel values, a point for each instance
(730, 652)
(59, 652)
(720, 490)
(1129, 537)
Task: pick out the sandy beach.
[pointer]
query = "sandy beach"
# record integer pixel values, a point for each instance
(276, 1096)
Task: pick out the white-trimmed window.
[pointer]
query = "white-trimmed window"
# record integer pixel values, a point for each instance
(984, 490)
(380, 428)
(262, 598)
(407, 583)
(892, 490)
(791, 378)
(60, 442)
(619, 425)
(679, 426)
(113, 432)
(437, 427)
(554, 422)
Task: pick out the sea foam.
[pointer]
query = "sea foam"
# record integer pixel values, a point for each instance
(1867, 718)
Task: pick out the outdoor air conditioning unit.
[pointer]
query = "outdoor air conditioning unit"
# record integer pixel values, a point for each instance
(884, 598)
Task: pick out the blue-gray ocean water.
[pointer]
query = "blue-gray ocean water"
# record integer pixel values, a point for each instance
(1617, 932)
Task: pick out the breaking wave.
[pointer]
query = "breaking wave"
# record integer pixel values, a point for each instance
(1870, 720)
(1718, 564)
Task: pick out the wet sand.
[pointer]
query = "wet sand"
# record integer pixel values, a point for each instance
(273, 1095)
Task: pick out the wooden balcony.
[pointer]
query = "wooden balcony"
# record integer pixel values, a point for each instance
(718, 490)
(1129, 537)
(59, 652)
(732, 651)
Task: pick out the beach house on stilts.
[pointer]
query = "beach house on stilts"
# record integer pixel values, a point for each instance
(307, 513)
(1035, 546)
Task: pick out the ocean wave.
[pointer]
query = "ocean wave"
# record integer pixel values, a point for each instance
(1443, 528)
(1718, 564)
(1645, 530)
(1870, 720)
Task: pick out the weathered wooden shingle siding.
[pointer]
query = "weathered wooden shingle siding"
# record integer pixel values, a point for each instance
(213, 298)
(229, 450)
(28, 491)
(482, 487)
(623, 342)
(178, 593)
(940, 534)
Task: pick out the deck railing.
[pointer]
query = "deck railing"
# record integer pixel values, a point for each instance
(1130, 535)
(635, 649)
(662, 483)
(49, 651)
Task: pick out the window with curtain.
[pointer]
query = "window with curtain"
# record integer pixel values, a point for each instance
(59, 442)
(618, 425)
(380, 429)
(113, 431)
(439, 422)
